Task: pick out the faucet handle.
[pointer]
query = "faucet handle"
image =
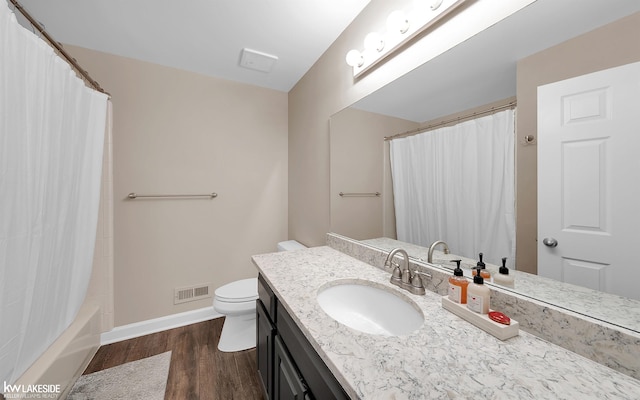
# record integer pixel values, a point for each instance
(396, 275)
(416, 281)
(425, 274)
(416, 286)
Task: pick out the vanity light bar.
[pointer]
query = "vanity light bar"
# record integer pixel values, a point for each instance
(400, 30)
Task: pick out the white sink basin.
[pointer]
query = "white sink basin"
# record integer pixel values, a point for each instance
(370, 309)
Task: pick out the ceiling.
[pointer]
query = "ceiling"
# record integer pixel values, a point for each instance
(483, 69)
(203, 36)
(207, 37)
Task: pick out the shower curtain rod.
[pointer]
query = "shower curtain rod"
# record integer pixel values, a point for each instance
(495, 109)
(58, 47)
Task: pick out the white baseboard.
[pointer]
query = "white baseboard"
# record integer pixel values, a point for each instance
(142, 328)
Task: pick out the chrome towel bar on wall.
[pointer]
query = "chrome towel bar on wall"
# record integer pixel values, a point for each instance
(133, 196)
(374, 194)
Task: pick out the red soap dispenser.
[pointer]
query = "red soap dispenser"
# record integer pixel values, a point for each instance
(458, 285)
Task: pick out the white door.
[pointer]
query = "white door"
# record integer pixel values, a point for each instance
(589, 180)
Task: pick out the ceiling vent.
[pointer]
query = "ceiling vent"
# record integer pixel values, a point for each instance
(257, 60)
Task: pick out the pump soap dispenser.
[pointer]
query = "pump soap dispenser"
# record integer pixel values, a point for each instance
(478, 295)
(458, 285)
(503, 278)
(477, 311)
(481, 268)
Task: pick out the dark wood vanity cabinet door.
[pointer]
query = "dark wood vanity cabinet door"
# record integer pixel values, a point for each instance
(265, 334)
(288, 365)
(287, 383)
(317, 376)
(267, 297)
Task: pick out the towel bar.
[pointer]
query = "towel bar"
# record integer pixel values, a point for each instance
(135, 195)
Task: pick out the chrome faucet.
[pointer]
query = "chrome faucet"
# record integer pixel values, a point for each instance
(396, 275)
(433, 247)
(402, 275)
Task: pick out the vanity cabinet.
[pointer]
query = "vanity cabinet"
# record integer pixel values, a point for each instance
(288, 366)
(265, 335)
(287, 382)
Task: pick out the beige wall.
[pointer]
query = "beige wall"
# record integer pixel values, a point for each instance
(329, 87)
(179, 132)
(609, 46)
(357, 164)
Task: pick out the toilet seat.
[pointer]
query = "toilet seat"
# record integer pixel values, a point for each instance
(236, 301)
(240, 291)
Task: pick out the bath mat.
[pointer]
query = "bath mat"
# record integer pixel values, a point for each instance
(145, 379)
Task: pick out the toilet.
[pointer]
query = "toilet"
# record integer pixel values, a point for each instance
(237, 302)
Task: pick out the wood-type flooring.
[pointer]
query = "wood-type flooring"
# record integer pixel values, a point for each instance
(198, 370)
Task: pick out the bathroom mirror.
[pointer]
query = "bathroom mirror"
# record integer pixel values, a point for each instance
(446, 86)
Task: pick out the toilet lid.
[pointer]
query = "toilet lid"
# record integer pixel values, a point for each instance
(238, 291)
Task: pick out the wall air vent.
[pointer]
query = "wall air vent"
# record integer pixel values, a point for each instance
(191, 293)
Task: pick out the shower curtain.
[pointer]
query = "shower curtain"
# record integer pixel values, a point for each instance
(51, 136)
(457, 184)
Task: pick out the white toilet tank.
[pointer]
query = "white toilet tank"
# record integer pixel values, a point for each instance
(290, 245)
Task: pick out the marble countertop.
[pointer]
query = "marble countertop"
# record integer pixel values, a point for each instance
(616, 310)
(446, 358)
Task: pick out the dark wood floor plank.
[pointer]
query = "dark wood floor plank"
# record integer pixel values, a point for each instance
(115, 354)
(207, 377)
(247, 376)
(226, 372)
(198, 370)
(97, 362)
(148, 346)
(183, 371)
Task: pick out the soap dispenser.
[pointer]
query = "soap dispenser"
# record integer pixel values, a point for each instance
(478, 295)
(503, 278)
(458, 285)
(482, 268)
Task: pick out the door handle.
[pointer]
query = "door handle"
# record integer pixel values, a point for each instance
(551, 242)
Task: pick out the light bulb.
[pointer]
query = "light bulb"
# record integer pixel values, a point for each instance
(397, 22)
(355, 58)
(374, 41)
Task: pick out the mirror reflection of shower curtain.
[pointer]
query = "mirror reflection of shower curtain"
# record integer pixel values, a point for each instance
(457, 184)
(51, 141)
